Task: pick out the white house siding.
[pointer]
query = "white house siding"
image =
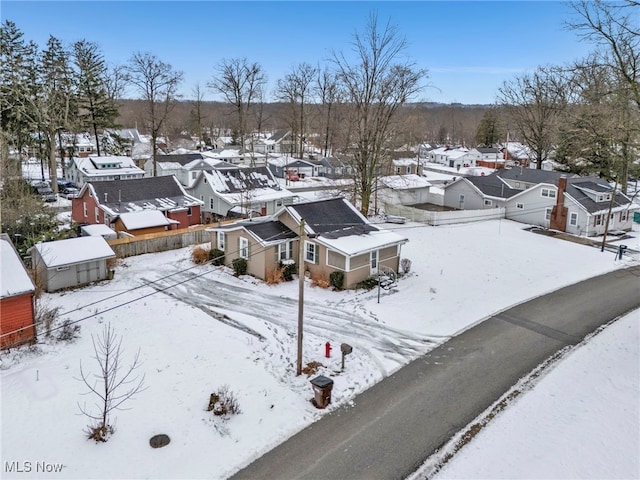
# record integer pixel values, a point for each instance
(534, 204)
(473, 200)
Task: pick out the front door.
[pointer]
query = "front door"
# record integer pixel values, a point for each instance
(374, 262)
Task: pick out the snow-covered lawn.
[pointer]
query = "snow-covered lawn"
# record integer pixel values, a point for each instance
(199, 328)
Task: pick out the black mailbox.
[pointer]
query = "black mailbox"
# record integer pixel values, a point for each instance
(346, 349)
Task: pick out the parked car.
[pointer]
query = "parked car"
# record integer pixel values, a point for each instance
(70, 192)
(293, 176)
(47, 194)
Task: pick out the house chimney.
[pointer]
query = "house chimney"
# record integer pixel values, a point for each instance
(559, 211)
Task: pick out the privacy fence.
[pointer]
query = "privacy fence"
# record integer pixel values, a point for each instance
(159, 242)
(432, 217)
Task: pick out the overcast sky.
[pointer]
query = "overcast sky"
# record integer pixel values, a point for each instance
(468, 47)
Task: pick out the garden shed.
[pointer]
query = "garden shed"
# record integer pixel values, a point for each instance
(72, 262)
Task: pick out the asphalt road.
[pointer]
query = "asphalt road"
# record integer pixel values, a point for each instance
(395, 425)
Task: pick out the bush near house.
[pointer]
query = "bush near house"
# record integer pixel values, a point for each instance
(368, 283)
(239, 266)
(200, 255)
(288, 270)
(336, 279)
(217, 257)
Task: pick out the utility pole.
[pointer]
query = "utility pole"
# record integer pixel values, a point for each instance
(300, 294)
(606, 223)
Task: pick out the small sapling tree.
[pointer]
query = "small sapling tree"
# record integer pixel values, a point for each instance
(113, 384)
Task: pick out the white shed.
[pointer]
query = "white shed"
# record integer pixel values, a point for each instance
(72, 262)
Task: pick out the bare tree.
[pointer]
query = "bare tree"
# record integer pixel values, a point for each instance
(613, 27)
(196, 114)
(375, 87)
(113, 385)
(158, 83)
(239, 82)
(533, 102)
(295, 88)
(328, 91)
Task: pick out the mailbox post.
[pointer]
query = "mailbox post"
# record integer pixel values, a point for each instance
(346, 350)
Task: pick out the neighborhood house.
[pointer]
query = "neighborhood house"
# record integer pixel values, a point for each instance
(336, 238)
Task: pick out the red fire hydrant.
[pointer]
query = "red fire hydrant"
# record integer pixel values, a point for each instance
(327, 349)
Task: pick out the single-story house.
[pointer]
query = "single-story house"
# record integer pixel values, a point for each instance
(563, 202)
(17, 291)
(407, 189)
(239, 192)
(72, 262)
(104, 202)
(337, 237)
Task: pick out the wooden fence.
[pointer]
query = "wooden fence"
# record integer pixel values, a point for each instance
(160, 242)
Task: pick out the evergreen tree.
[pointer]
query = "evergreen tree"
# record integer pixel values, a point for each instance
(96, 109)
(489, 130)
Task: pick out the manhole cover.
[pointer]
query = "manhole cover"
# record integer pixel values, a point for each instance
(158, 441)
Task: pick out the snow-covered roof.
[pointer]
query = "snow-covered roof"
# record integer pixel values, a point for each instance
(14, 279)
(144, 219)
(356, 244)
(94, 166)
(404, 182)
(98, 230)
(73, 250)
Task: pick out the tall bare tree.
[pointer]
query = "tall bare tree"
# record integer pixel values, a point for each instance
(197, 115)
(158, 84)
(614, 29)
(239, 82)
(533, 103)
(296, 88)
(329, 95)
(376, 83)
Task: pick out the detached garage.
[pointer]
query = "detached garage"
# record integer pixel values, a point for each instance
(16, 298)
(71, 263)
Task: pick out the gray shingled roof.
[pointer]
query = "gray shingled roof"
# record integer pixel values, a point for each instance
(183, 158)
(161, 193)
(532, 175)
(493, 186)
(574, 186)
(332, 218)
(270, 231)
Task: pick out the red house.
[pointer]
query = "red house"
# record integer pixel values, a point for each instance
(104, 202)
(17, 290)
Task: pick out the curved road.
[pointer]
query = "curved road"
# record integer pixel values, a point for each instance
(395, 425)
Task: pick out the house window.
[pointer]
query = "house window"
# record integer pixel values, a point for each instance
(311, 252)
(61, 269)
(221, 240)
(624, 215)
(601, 198)
(279, 202)
(409, 169)
(243, 247)
(520, 205)
(547, 214)
(285, 251)
(398, 170)
(84, 209)
(97, 213)
(573, 219)
(194, 175)
(487, 203)
(598, 220)
(210, 203)
(189, 211)
(517, 184)
(548, 192)
(374, 260)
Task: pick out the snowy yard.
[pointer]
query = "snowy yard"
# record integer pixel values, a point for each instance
(199, 328)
